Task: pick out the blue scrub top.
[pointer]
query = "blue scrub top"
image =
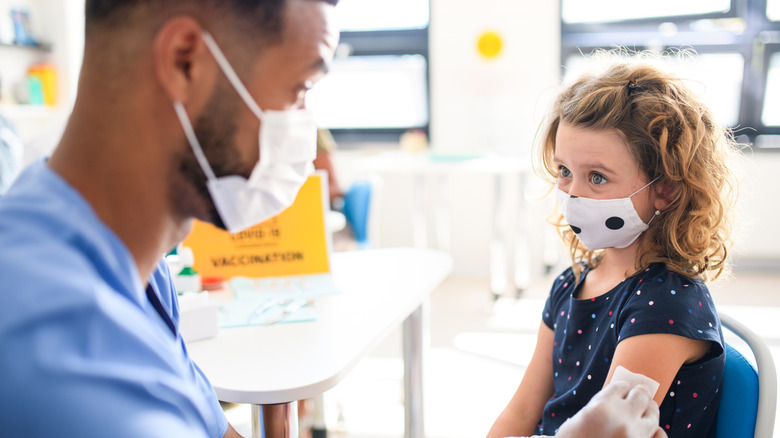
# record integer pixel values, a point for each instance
(84, 352)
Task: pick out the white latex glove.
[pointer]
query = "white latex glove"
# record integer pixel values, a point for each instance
(617, 411)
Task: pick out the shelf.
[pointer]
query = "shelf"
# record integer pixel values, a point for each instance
(43, 47)
(27, 112)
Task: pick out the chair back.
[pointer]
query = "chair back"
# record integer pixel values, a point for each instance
(357, 203)
(748, 394)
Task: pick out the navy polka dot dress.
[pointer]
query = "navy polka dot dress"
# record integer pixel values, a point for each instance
(653, 301)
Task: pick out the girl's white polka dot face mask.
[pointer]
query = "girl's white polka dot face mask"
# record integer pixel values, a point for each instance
(603, 223)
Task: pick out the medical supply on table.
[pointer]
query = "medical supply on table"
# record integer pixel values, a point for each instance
(287, 307)
(187, 280)
(199, 316)
(214, 283)
(266, 301)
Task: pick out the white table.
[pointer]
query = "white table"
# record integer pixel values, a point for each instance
(273, 366)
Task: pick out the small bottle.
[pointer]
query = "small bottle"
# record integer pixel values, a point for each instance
(187, 280)
(174, 263)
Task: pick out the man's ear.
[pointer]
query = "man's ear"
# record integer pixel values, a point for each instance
(665, 193)
(182, 63)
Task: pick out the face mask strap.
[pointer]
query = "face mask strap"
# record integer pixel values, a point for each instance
(231, 75)
(193, 139)
(657, 213)
(645, 186)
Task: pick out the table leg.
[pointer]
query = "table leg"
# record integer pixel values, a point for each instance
(443, 227)
(275, 421)
(419, 214)
(413, 375)
(522, 256)
(318, 429)
(497, 261)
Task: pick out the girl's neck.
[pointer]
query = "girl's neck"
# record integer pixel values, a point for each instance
(619, 261)
(616, 265)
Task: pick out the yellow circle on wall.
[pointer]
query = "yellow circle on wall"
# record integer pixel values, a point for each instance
(489, 44)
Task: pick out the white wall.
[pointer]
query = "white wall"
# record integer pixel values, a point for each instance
(491, 105)
(757, 242)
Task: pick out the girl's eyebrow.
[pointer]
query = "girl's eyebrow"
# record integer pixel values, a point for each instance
(600, 167)
(592, 166)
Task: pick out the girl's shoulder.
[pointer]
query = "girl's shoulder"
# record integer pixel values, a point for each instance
(566, 276)
(658, 277)
(565, 283)
(659, 285)
(662, 301)
(566, 280)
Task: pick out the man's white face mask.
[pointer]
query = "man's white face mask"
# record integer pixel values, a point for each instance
(288, 145)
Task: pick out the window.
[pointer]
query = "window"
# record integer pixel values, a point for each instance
(770, 114)
(374, 15)
(737, 44)
(716, 77)
(378, 86)
(595, 11)
(365, 92)
(773, 10)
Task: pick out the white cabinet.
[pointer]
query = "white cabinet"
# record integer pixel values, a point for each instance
(60, 25)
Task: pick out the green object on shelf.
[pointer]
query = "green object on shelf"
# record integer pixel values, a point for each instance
(35, 90)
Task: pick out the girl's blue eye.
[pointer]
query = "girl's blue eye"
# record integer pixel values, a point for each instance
(598, 179)
(563, 172)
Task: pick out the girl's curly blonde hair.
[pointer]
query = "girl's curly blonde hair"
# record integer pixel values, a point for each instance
(671, 135)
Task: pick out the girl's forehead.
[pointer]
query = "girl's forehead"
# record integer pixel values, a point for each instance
(585, 146)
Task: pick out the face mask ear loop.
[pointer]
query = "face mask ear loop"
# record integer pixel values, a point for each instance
(193, 139)
(655, 215)
(231, 75)
(645, 186)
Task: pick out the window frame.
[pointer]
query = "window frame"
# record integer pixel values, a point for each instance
(677, 19)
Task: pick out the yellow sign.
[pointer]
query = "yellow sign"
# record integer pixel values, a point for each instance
(489, 44)
(295, 242)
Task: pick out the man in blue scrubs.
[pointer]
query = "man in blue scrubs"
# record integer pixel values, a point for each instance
(159, 134)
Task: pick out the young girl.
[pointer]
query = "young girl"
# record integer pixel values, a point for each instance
(645, 196)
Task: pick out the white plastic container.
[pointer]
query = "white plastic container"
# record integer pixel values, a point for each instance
(198, 316)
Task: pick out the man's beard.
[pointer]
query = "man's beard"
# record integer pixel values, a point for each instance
(215, 130)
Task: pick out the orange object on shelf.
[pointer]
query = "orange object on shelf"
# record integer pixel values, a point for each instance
(47, 74)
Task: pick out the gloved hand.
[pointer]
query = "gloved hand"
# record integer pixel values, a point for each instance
(617, 411)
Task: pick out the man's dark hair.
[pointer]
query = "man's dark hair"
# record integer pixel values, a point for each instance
(263, 18)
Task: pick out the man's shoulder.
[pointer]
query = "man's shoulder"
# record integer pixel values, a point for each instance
(54, 265)
(50, 238)
(37, 245)
(39, 208)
